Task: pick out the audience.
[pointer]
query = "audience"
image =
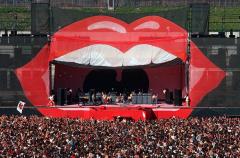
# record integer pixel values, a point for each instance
(63, 137)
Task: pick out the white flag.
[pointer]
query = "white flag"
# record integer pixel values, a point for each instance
(20, 106)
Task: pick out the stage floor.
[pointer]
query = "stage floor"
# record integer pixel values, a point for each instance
(111, 111)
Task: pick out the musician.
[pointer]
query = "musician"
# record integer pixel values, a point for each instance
(69, 96)
(125, 97)
(104, 98)
(165, 91)
(168, 96)
(187, 100)
(130, 97)
(51, 101)
(140, 92)
(154, 98)
(119, 98)
(92, 96)
(109, 98)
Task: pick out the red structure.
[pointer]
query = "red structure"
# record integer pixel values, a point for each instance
(110, 112)
(106, 42)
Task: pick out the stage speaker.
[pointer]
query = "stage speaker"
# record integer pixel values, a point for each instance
(178, 97)
(61, 96)
(169, 97)
(139, 99)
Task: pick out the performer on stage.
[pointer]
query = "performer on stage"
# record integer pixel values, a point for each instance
(109, 98)
(69, 96)
(168, 96)
(187, 100)
(51, 101)
(119, 98)
(154, 98)
(104, 98)
(130, 97)
(125, 97)
(92, 96)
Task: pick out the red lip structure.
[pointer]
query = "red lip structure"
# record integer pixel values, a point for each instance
(150, 31)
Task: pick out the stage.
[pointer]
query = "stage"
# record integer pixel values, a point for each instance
(111, 112)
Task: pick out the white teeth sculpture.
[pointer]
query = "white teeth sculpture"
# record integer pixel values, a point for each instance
(108, 56)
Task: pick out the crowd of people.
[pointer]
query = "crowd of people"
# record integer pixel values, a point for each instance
(35, 136)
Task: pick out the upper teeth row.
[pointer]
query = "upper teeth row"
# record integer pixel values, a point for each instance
(108, 56)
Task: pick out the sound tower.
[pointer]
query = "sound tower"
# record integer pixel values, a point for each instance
(199, 17)
(40, 18)
(177, 97)
(168, 97)
(61, 96)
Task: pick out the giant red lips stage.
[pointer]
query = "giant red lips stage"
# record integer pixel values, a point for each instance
(106, 42)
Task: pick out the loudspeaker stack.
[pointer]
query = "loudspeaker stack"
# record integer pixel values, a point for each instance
(61, 96)
(178, 97)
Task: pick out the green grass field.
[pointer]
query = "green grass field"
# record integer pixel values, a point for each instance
(221, 19)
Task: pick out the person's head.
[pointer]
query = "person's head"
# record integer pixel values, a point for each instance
(164, 91)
